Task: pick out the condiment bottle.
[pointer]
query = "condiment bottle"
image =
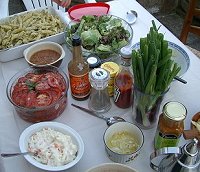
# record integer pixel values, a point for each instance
(112, 68)
(170, 125)
(78, 69)
(123, 84)
(99, 100)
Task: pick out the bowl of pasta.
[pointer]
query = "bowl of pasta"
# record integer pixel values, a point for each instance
(38, 94)
(44, 54)
(62, 147)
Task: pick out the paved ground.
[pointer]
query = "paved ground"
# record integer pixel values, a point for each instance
(172, 21)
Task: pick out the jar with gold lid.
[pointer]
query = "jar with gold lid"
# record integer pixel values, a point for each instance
(170, 125)
(112, 68)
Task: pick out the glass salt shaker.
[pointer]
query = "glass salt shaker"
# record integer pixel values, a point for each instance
(99, 100)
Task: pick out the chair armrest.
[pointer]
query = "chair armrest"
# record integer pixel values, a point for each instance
(90, 1)
(4, 12)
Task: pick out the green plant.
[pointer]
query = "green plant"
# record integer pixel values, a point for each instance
(153, 70)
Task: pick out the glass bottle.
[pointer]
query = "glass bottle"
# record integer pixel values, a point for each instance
(78, 69)
(123, 83)
(99, 100)
(170, 125)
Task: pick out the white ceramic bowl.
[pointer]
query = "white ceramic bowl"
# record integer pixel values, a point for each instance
(76, 139)
(111, 167)
(44, 46)
(179, 56)
(121, 127)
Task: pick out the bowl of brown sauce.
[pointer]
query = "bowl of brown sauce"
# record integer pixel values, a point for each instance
(44, 54)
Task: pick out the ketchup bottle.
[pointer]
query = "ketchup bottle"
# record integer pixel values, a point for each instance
(123, 84)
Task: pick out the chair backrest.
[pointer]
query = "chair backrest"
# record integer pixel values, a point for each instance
(188, 26)
(34, 4)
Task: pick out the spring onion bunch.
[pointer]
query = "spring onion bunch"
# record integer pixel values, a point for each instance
(153, 69)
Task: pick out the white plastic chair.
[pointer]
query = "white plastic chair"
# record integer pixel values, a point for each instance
(32, 4)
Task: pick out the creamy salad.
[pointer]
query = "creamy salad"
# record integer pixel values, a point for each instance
(51, 147)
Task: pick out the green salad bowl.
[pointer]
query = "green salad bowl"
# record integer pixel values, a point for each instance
(102, 36)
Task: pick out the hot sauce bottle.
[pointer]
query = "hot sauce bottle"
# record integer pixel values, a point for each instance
(123, 84)
(78, 69)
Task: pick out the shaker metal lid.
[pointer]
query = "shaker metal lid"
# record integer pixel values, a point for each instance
(126, 52)
(99, 74)
(175, 111)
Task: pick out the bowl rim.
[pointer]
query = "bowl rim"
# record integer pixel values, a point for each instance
(25, 52)
(110, 164)
(174, 46)
(129, 123)
(57, 126)
(29, 69)
(95, 52)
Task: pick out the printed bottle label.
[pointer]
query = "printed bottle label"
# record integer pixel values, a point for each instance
(166, 140)
(116, 93)
(80, 85)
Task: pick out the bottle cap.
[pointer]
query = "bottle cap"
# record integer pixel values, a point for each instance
(76, 40)
(126, 52)
(93, 61)
(175, 111)
(111, 67)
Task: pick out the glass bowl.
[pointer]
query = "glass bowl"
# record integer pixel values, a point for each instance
(111, 33)
(38, 94)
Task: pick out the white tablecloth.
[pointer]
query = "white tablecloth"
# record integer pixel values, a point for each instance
(90, 128)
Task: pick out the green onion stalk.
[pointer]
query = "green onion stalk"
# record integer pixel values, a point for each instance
(154, 70)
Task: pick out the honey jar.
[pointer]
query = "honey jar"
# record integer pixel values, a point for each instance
(112, 68)
(170, 125)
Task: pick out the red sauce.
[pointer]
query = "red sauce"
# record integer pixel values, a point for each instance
(123, 97)
(44, 57)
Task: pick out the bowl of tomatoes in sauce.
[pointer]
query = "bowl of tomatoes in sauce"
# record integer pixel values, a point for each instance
(44, 54)
(38, 94)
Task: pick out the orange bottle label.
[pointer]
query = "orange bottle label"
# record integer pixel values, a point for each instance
(80, 85)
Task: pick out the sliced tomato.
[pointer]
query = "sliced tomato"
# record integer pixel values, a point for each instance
(30, 99)
(42, 85)
(33, 77)
(22, 80)
(55, 94)
(53, 82)
(43, 98)
(19, 97)
(58, 80)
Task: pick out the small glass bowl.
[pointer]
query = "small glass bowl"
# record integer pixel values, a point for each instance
(41, 113)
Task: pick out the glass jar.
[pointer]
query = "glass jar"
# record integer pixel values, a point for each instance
(123, 83)
(112, 68)
(99, 100)
(170, 125)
